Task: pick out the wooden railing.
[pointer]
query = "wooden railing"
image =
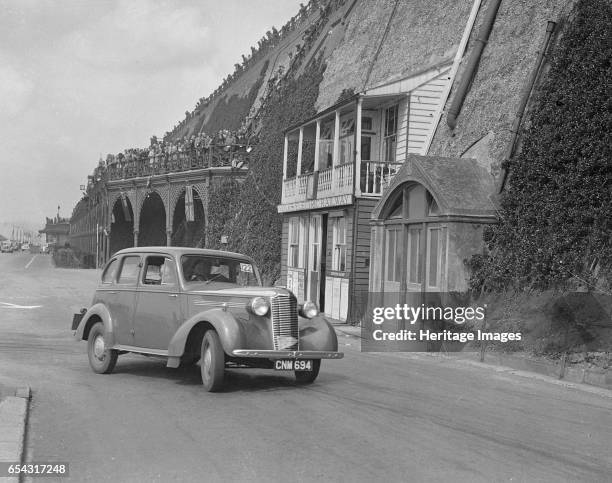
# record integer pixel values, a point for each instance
(343, 179)
(375, 176)
(324, 187)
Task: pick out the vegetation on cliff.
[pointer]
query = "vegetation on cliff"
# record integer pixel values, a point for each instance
(555, 219)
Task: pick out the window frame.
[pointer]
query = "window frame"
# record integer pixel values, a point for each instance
(106, 269)
(388, 135)
(339, 246)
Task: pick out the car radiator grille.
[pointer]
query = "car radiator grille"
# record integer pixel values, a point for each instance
(284, 322)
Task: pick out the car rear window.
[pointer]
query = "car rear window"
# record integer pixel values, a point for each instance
(109, 273)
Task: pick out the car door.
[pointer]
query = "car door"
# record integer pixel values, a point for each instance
(125, 299)
(158, 309)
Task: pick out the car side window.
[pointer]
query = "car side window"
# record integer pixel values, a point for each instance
(129, 270)
(159, 271)
(168, 272)
(109, 273)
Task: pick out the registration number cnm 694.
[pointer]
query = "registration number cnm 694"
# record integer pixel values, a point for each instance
(293, 365)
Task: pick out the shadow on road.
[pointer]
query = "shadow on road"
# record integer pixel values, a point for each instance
(236, 380)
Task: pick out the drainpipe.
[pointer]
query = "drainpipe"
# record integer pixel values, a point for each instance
(518, 117)
(472, 64)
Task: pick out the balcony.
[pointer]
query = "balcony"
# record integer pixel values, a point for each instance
(349, 150)
(233, 156)
(338, 181)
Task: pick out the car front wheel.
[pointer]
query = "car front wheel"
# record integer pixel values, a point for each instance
(212, 362)
(101, 358)
(307, 377)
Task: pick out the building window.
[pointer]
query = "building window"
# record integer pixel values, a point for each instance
(326, 145)
(293, 260)
(434, 259)
(315, 244)
(412, 212)
(347, 133)
(390, 134)
(394, 252)
(339, 244)
(414, 255)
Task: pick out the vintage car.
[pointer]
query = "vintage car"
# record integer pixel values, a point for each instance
(189, 304)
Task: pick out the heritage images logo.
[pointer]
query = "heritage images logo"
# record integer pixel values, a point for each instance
(458, 315)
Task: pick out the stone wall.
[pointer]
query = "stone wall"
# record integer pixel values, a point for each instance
(421, 34)
(483, 125)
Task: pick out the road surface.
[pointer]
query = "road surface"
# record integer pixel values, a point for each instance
(369, 417)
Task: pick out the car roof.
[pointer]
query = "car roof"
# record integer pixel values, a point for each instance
(178, 251)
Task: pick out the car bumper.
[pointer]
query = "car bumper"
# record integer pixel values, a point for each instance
(272, 354)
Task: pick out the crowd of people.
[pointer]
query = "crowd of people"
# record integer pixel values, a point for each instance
(225, 148)
(267, 43)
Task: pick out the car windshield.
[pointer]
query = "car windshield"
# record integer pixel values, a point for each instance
(210, 269)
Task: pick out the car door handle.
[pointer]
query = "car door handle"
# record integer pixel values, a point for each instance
(173, 295)
(113, 293)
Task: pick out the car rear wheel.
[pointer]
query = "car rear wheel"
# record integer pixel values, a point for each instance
(307, 377)
(212, 362)
(102, 359)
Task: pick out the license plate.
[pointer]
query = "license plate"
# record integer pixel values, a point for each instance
(293, 365)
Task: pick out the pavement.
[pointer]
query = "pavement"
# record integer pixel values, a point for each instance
(515, 363)
(14, 404)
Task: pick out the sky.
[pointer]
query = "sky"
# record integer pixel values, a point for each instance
(84, 78)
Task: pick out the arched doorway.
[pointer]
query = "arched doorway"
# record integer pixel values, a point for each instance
(414, 247)
(152, 226)
(188, 233)
(122, 225)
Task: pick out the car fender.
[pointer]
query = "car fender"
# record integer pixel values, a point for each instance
(317, 334)
(228, 328)
(102, 312)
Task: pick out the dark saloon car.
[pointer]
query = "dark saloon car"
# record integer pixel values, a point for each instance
(188, 305)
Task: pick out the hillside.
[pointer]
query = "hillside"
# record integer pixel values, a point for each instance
(238, 101)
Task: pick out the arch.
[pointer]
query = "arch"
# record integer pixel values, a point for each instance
(188, 233)
(121, 223)
(152, 220)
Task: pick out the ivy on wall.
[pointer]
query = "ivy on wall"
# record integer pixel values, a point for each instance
(229, 113)
(247, 213)
(556, 214)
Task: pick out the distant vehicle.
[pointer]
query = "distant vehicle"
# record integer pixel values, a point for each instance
(25, 246)
(44, 248)
(185, 304)
(7, 246)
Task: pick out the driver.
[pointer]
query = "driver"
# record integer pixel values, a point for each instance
(199, 272)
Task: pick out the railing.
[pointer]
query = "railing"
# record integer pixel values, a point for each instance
(343, 181)
(375, 176)
(324, 185)
(163, 163)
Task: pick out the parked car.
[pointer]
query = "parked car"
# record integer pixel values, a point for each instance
(25, 246)
(6, 246)
(188, 304)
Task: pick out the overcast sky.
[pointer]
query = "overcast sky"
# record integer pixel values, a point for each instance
(80, 78)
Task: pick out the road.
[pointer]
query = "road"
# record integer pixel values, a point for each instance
(369, 417)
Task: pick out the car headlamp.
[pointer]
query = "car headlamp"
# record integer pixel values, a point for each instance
(309, 310)
(259, 306)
